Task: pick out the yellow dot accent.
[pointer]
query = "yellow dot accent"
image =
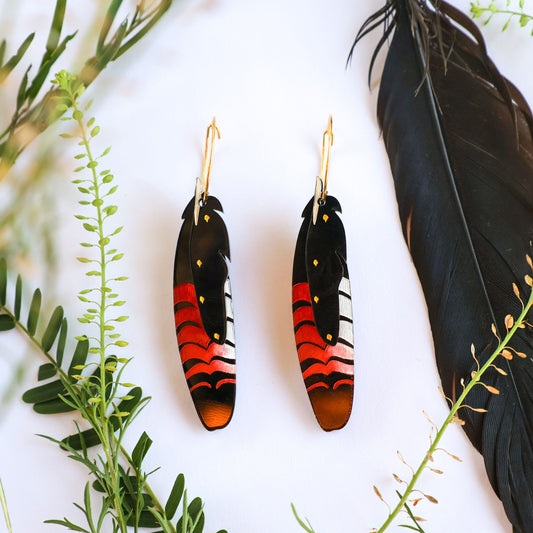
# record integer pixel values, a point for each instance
(315, 262)
(199, 263)
(206, 218)
(202, 299)
(325, 218)
(217, 336)
(316, 298)
(329, 337)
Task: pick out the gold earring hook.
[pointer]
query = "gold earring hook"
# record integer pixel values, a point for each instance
(321, 185)
(212, 133)
(202, 186)
(327, 143)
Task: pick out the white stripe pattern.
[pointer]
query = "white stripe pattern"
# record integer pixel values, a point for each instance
(230, 329)
(345, 311)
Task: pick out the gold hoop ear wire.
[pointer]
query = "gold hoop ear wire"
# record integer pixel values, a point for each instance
(212, 133)
(321, 186)
(327, 143)
(202, 186)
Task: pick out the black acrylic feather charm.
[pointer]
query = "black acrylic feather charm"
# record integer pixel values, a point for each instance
(203, 308)
(459, 140)
(322, 307)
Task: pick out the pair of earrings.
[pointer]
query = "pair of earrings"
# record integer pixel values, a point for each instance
(322, 310)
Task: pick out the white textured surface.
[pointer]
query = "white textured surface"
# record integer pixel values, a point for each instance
(271, 72)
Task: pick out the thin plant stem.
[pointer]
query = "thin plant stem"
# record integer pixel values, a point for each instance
(3, 501)
(307, 527)
(108, 435)
(513, 13)
(453, 411)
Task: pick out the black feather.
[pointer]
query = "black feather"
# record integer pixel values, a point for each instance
(459, 140)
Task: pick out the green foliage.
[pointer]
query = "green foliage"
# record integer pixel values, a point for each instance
(71, 380)
(31, 116)
(175, 496)
(85, 377)
(126, 496)
(477, 10)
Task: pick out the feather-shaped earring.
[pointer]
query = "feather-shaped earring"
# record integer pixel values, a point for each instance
(202, 302)
(460, 142)
(322, 306)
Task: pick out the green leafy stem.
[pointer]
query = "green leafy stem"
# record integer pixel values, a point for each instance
(502, 350)
(95, 389)
(31, 116)
(66, 395)
(71, 91)
(477, 10)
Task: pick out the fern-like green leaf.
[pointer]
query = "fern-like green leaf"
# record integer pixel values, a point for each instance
(61, 342)
(175, 497)
(6, 323)
(55, 406)
(109, 51)
(108, 22)
(21, 94)
(56, 27)
(81, 440)
(46, 371)
(195, 507)
(44, 393)
(35, 309)
(80, 356)
(141, 449)
(200, 522)
(18, 297)
(146, 519)
(50, 334)
(15, 59)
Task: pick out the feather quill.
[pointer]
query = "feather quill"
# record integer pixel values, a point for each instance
(460, 144)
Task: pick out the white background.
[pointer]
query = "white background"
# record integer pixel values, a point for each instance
(271, 72)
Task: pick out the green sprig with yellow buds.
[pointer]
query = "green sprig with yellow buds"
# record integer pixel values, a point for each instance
(91, 383)
(478, 10)
(411, 494)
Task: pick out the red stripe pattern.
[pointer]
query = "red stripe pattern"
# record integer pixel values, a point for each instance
(328, 371)
(205, 362)
(318, 360)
